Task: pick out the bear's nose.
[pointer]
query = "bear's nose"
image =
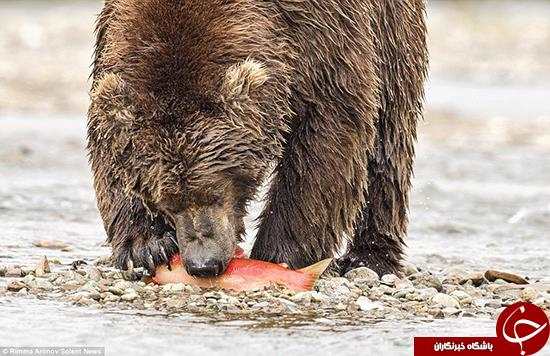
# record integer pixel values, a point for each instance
(206, 268)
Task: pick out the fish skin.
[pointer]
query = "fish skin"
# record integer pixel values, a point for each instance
(245, 274)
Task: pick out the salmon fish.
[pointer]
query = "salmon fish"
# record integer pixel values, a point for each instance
(245, 274)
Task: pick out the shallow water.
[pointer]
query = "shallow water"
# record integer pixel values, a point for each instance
(191, 335)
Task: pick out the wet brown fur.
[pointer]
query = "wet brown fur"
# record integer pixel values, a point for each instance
(194, 101)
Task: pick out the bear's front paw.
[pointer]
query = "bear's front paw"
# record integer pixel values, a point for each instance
(148, 253)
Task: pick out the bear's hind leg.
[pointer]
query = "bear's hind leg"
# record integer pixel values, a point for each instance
(379, 234)
(382, 224)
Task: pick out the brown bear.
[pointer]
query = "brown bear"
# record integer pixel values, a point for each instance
(195, 103)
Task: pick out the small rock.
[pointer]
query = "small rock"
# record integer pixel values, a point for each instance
(14, 271)
(231, 300)
(76, 264)
(290, 306)
(507, 290)
(44, 284)
(129, 296)
(493, 275)
(51, 244)
(174, 288)
(403, 284)
(480, 302)
(363, 274)
(213, 295)
(455, 275)
(529, 294)
(477, 279)
(42, 267)
(90, 286)
(448, 311)
(318, 297)
(445, 300)
(116, 291)
(389, 280)
(409, 269)
(309, 297)
(425, 293)
(463, 297)
(436, 313)
(539, 301)
(337, 288)
(95, 274)
(122, 285)
(365, 304)
(25, 270)
(302, 297)
(133, 275)
(15, 286)
(378, 292)
(3, 270)
(87, 302)
(340, 306)
(426, 280)
(109, 297)
(260, 305)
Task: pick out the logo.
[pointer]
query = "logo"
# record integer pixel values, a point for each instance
(522, 329)
(525, 326)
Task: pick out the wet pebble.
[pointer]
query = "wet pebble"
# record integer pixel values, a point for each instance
(363, 275)
(448, 311)
(389, 280)
(463, 297)
(42, 268)
(445, 300)
(426, 280)
(337, 288)
(95, 274)
(15, 286)
(365, 304)
(493, 275)
(529, 294)
(409, 269)
(13, 271)
(129, 295)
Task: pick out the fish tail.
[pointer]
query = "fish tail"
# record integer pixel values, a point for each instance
(314, 271)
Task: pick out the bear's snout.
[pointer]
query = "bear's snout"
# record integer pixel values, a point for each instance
(204, 268)
(206, 241)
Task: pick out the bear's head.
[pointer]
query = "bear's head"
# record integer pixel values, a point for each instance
(194, 156)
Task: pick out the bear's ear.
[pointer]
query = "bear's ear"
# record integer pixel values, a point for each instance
(110, 99)
(242, 79)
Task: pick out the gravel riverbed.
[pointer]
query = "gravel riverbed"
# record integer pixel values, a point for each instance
(360, 294)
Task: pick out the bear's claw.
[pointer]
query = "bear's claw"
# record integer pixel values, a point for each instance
(148, 254)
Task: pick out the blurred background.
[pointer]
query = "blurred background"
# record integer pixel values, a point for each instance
(481, 194)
